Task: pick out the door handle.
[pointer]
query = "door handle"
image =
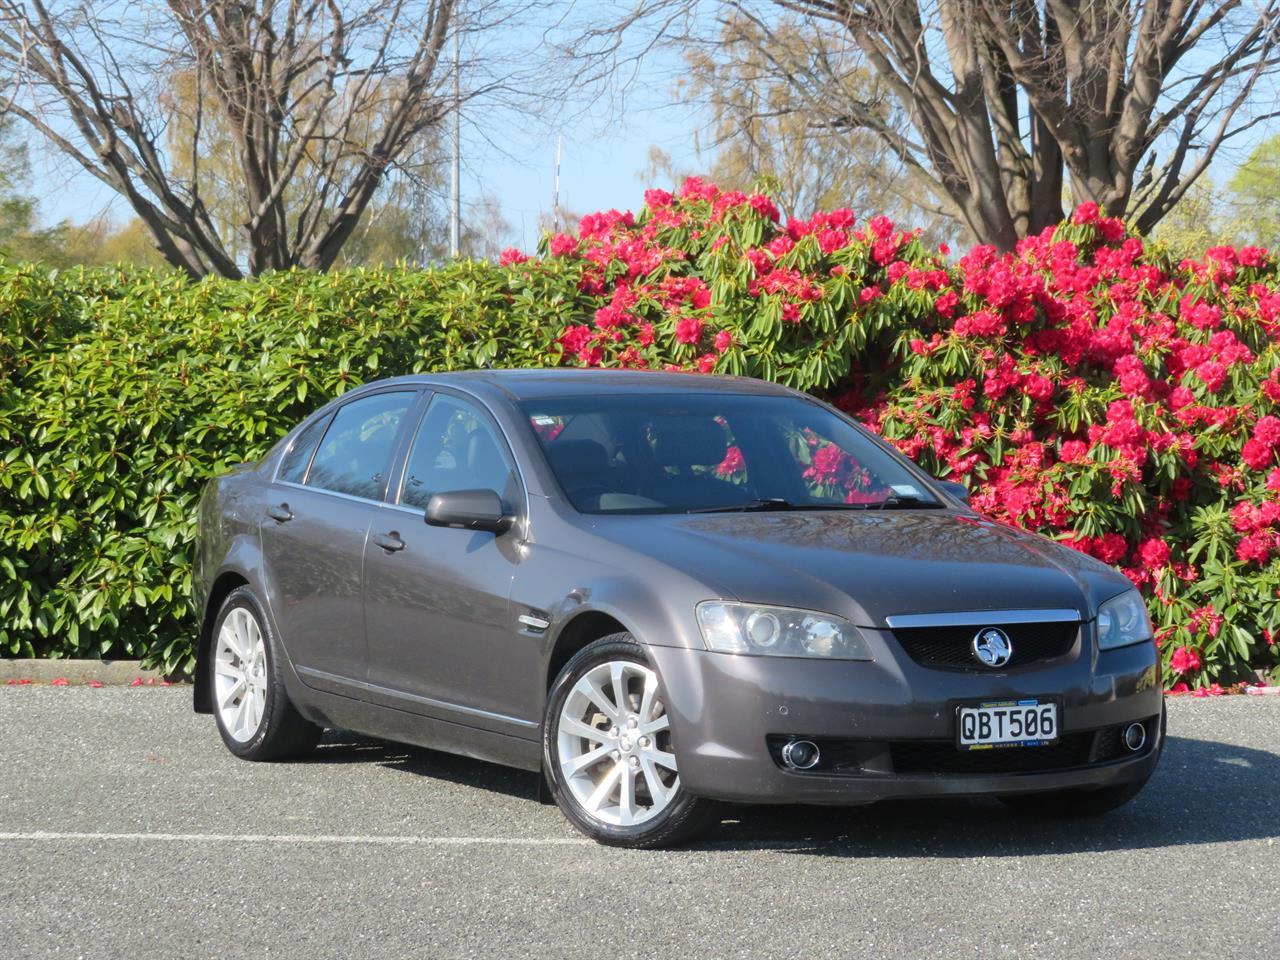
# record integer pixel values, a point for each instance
(280, 514)
(389, 542)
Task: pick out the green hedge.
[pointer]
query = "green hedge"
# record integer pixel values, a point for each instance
(122, 393)
(1086, 387)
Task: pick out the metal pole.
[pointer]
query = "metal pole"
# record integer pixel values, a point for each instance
(455, 215)
(555, 194)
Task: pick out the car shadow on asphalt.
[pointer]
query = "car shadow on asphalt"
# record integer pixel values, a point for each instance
(1202, 792)
(340, 746)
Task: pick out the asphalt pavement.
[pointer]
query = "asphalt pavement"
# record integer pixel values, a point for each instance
(126, 830)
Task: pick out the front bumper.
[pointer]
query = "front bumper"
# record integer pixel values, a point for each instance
(726, 710)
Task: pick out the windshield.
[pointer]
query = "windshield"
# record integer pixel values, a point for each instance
(705, 452)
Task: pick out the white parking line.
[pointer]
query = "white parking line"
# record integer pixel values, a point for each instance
(301, 838)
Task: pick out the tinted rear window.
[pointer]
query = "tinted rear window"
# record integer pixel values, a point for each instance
(356, 451)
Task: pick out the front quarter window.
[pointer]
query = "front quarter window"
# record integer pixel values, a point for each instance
(293, 468)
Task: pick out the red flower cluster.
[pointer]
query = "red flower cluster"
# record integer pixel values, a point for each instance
(1084, 386)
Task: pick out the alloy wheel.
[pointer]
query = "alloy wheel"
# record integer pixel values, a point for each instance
(614, 744)
(240, 674)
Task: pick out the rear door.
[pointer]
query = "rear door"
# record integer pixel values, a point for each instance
(442, 641)
(322, 503)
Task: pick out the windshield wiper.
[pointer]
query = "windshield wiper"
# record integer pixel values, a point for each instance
(777, 503)
(906, 501)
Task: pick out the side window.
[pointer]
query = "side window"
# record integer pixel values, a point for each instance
(294, 465)
(456, 449)
(356, 451)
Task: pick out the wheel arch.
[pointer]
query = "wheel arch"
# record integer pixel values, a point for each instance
(584, 627)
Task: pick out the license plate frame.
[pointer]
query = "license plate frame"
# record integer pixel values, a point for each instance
(1009, 703)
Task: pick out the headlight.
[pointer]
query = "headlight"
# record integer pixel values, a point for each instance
(1123, 620)
(779, 632)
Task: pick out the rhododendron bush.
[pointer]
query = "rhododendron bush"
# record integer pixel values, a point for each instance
(1085, 387)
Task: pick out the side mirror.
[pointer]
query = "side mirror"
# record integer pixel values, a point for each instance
(469, 510)
(957, 490)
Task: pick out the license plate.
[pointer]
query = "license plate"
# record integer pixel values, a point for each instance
(1006, 723)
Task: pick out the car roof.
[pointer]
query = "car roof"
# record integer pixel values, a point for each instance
(527, 384)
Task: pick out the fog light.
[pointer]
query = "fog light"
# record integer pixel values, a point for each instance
(800, 754)
(1135, 737)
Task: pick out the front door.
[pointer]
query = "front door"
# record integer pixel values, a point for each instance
(314, 529)
(441, 638)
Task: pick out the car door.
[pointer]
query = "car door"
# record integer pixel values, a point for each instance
(323, 502)
(441, 637)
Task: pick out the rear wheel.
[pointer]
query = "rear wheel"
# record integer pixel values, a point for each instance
(608, 755)
(254, 715)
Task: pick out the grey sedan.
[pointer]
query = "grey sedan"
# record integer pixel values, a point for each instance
(662, 592)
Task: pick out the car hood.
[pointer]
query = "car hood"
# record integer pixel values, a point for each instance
(870, 565)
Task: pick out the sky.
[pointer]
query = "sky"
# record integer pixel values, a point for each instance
(605, 153)
(510, 158)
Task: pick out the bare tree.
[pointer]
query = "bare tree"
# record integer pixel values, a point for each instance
(307, 105)
(760, 83)
(1005, 103)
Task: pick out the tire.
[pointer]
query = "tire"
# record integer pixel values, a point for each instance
(660, 812)
(245, 656)
(1081, 803)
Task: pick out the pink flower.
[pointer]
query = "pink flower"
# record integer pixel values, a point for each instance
(1211, 374)
(1110, 548)
(732, 462)
(511, 256)
(574, 338)
(724, 340)
(688, 330)
(1087, 212)
(1154, 553)
(1184, 660)
(1253, 256)
(1073, 451)
(562, 245)
(881, 227)
(1257, 454)
(826, 463)
(829, 241)
(657, 199)
(1255, 548)
(1267, 430)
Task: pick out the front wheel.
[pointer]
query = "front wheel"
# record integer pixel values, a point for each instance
(607, 751)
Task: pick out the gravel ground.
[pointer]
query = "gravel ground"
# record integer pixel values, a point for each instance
(127, 831)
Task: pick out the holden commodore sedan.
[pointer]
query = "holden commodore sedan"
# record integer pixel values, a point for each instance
(662, 592)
